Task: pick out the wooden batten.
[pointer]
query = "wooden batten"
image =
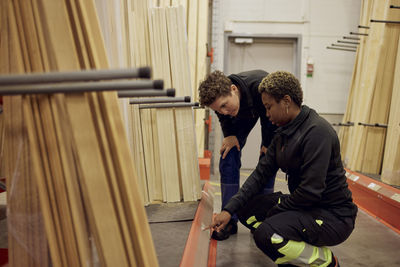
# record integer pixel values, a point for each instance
(364, 98)
(391, 159)
(80, 157)
(374, 85)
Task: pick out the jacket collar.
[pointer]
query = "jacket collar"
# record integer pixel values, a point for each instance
(292, 126)
(245, 96)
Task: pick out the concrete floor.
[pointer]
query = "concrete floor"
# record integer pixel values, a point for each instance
(371, 244)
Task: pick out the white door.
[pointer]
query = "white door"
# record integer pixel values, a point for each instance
(269, 54)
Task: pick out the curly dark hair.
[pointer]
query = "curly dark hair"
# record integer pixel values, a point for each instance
(215, 85)
(281, 83)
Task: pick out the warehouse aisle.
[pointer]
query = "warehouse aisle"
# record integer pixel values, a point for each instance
(371, 244)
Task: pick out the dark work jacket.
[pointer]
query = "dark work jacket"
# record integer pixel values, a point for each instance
(251, 105)
(307, 149)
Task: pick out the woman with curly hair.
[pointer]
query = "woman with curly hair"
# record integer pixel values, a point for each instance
(294, 229)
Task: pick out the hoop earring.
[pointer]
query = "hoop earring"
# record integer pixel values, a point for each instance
(287, 110)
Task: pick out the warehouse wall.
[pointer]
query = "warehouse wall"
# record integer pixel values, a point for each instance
(319, 23)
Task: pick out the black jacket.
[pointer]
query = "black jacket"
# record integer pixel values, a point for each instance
(307, 149)
(251, 105)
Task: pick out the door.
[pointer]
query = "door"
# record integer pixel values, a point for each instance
(266, 53)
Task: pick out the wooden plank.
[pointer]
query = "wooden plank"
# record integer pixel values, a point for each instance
(50, 150)
(68, 180)
(355, 90)
(186, 142)
(379, 111)
(201, 71)
(96, 190)
(158, 189)
(140, 232)
(16, 145)
(391, 159)
(368, 77)
(24, 199)
(169, 163)
(192, 35)
(165, 151)
(52, 233)
(138, 154)
(189, 167)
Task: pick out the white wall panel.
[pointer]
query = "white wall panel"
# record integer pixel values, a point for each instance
(319, 22)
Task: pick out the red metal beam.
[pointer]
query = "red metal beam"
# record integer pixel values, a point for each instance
(376, 198)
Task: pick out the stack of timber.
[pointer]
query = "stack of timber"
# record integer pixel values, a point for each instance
(197, 35)
(391, 159)
(71, 147)
(372, 87)
(346, 132)
(184, 121)
(170, 168)
(115, 18)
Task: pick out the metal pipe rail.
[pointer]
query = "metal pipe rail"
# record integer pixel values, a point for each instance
(363, 27)
(347, 42)
(159, 100)
(351, 38)
(348, 124)
(359, 33)
(345, 46)
(385, 21)
(373, 125)
(147, 93)
(78, 87)
(168, 105)
(343, 49)
(75, 76)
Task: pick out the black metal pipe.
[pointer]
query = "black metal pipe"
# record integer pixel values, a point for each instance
(359, 33)
(74, 76)
(345, 46)
(392, 6)
(168, 105)
(343, 49)
(147, 93)
(385, 21)
(351, 38)
(347, 42)
(348, 124)
(363, 27)
(160, 100)
(373, 124)
(80, 87)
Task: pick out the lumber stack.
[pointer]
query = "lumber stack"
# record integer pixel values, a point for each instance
(170, 168)
(197, 31)
(71, 147)
(372, 87)
(391, 159)
(345, 133)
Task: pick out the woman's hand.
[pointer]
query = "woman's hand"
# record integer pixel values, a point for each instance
(263, 150)
(227, 144)
(220, 221)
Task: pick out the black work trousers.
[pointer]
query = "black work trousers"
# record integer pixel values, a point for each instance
(318, 227)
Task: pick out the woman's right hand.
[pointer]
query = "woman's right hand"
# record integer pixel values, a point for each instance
(227, 144)
(220, 221)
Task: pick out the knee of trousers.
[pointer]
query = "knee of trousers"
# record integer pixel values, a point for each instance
(262, 237)
(229, 167)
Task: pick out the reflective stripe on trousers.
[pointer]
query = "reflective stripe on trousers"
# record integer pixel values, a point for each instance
(302, 254)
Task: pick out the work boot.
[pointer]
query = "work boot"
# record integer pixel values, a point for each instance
(230, 229)
(335, 262)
